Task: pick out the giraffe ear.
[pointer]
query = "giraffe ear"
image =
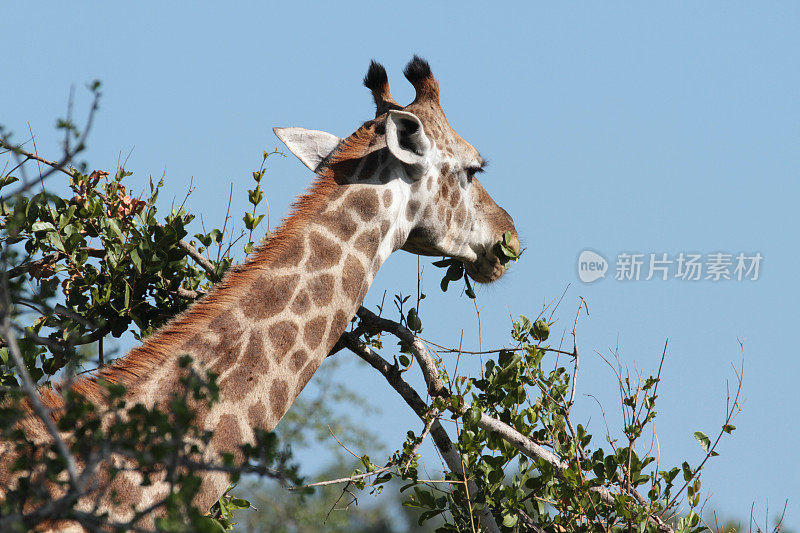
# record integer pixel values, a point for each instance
(311, 147)
(406, 138)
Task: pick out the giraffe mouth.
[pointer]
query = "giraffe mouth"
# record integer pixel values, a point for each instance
(487, 266)
(480, 263)
(486, 269)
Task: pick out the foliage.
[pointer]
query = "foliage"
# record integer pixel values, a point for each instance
(569, 482)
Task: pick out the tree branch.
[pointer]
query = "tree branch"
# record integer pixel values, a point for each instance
(207, 265)
(51, 258)
(440, 437)
(432, 379)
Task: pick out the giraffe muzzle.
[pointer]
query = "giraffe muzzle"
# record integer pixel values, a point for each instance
(488, 267)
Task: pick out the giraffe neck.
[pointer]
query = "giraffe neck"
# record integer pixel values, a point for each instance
(289, 316)
(272, 321)
(284, 310)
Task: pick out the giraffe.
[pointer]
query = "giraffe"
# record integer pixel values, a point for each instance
(403, 180)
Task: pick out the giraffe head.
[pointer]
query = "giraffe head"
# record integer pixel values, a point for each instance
(445, 211)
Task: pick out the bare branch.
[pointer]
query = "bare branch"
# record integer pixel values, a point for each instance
(189, 295)
(50, 258)
(575, 352)
(423, 357)
(207, 265)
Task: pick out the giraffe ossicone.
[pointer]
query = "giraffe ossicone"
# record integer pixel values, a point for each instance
(403, 180)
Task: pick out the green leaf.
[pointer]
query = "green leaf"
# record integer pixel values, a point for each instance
(205, 239)
(113, 227)
(238, 503)
(473, 416)
(469, 292)
(728, 428)
(455, 271)
(687, 471)
(42, 226)
(136, 260)
(540, 330)
(255, 196)
(7, 180)
(510, 520)
(413, 321)
(207, 524)
(251, 221)
(704, 441)
(445, 282)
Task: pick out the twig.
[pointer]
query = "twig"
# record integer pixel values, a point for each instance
(51, 258)
(30, 156)
(347, 479)
(445, 349)
(69, 154)
(731, 413)
(225, 224)
(434, 414)
(575, 352)
(342, 445)
(528, 522)
(207, 265)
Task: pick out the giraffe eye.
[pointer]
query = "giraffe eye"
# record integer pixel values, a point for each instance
(471, 171)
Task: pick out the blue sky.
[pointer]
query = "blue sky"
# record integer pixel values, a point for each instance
(616, 128)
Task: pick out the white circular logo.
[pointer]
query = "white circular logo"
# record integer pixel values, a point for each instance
(591, 266)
